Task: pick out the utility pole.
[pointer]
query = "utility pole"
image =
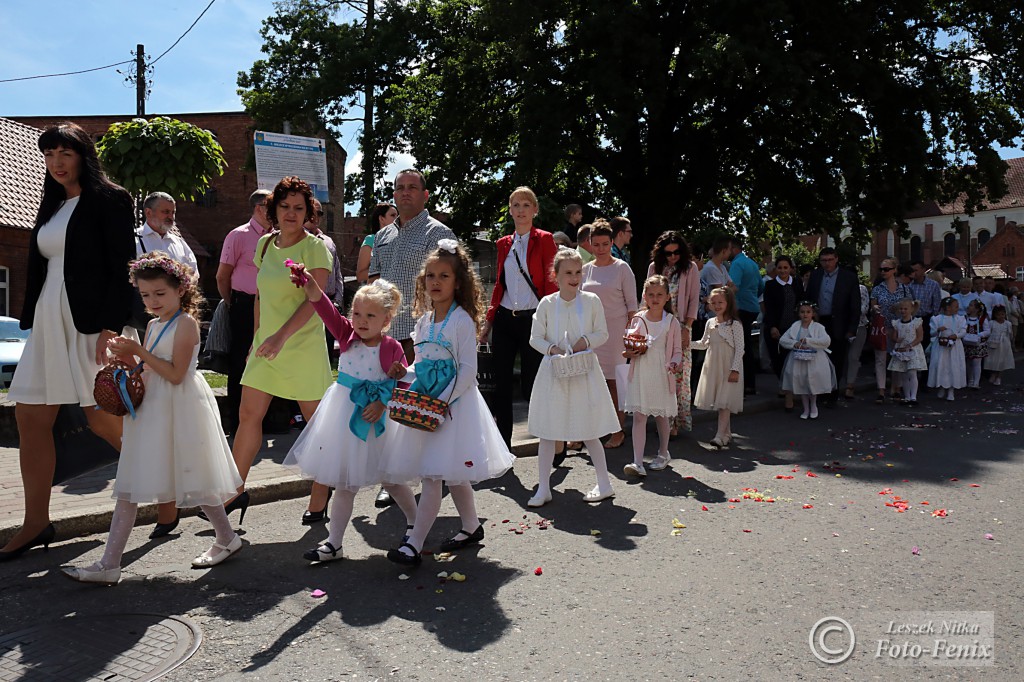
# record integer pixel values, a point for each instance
(369, 143)
(140, 80)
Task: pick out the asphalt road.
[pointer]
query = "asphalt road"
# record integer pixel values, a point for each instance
(732, 595)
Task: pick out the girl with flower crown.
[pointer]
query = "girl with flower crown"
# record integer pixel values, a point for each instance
(342, 445)
(174, 448)
(466, 447)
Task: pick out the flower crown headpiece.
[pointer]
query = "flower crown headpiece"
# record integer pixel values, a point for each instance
(810, 304)
(182, 272)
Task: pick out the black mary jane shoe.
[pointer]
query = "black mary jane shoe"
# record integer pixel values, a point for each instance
(44, 538)
(163, 529)
(323, 553)
(400, 557)
(311, 517)
(408, 530)
(452, 544)
(383, 499)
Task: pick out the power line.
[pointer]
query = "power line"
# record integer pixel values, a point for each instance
(184, 34)
(110, 66)
(69, 73)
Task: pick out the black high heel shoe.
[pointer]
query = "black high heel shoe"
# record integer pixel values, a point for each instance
(241, 501)
(162, 529)
(44, 538)
(311, 517)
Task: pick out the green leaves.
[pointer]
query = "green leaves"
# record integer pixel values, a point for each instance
(161, 155)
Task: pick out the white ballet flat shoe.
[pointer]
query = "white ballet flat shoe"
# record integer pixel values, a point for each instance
(208, 561)
(596, 495)
(539, 500)
(108, 576)
(660, 462)
(632, 469)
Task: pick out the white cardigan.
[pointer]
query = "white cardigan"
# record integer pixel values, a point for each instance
(543, 331)
(732, 332)
(816, 337)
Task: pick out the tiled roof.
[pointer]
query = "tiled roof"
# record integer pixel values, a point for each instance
(21, 174)
(995, 271)
(1014, 196)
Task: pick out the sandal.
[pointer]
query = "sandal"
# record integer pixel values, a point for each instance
(452, 544)
(608, 444)
(400, 557)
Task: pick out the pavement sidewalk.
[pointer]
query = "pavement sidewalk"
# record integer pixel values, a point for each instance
(83, 505)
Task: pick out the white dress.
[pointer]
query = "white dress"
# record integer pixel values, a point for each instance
(815, 376)
(1000, 347)
(724, 346)
(948, 366)
(906, 332)
(328, 451)
(58, 364)
(571, 408)
(175, 450)
(652, 389)
(467, 447)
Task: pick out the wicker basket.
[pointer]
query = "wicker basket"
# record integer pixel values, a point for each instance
(572, 365)
(805, 354)
(634, 341)
(117, 383)
(418, 410)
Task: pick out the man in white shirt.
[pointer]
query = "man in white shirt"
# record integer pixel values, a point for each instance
(159, 233)
(989, 296)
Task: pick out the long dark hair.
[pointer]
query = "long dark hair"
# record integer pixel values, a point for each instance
(373, 220)
(90, 176)
(658, 252)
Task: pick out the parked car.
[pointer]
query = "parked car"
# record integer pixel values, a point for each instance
(12, 343)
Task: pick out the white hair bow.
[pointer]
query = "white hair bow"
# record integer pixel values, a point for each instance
(448, 245)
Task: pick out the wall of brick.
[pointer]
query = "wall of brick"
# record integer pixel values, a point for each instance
(14, 256)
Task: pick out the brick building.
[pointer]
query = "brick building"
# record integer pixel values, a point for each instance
(21, 185)
(226, 205)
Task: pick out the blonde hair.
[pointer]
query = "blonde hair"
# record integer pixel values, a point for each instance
(563, 254)
(730, 301)
(468, 290)
(523, 192)
(384, 294)
(657, 281)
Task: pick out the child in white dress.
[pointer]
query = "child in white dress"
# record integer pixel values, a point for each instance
(173, 449)
(907, 335)
(342, 445)
(808, 372)
(947, 370)
(572, 408)
(651, 387)
(467, 447)
(1000, 345)
(976, 341)
(721, 377)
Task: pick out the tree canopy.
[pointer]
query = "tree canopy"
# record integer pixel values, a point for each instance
(161, 154)
(774, 116)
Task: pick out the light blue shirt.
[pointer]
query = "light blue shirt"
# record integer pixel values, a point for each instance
(827, 291)
(749, 286)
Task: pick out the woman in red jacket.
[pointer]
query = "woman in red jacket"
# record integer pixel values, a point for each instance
(524, 266)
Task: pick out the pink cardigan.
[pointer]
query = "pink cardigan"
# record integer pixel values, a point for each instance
(689, 292)
(673, 345)
(341, 329)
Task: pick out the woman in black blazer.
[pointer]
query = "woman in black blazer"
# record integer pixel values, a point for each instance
(77, 298)
(782, 293)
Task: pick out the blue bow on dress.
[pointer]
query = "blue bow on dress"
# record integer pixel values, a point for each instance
(433, 376)
(363, 392)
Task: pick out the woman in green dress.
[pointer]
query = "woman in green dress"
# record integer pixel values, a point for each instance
(289, 352)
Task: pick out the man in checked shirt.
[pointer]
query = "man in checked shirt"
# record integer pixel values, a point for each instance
(401, 247)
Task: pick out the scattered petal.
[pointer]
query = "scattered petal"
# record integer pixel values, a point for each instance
(747, 530)
(939, 513)
(808, 506)
(676, 532)
(915, 550)
(975, 485)
(442, 574)
(989, 536)
(440, 608)
(677, 524)
(316, 594)
(811, 474)
(954, 479)
(538, 571)
(457, 577)
(595, 533)
(703, 508)
(835, 535)
(469, 463)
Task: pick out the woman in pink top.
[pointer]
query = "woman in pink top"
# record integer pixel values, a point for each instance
(613, 282)
(670, 258)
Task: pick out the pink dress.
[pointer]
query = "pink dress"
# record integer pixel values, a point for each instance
(615, 285)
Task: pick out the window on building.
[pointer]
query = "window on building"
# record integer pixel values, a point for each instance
(983, 237)
(5, 292)
(1009, 250)
(915, 248)
(1020, 273)
(949, 245)
(890, 243)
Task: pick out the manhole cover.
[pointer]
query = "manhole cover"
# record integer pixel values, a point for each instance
(113, 648)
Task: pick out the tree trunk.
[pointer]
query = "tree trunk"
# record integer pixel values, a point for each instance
(369, 142)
